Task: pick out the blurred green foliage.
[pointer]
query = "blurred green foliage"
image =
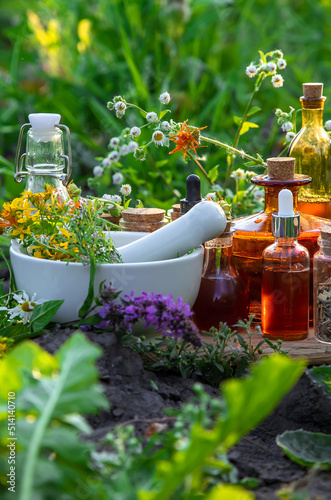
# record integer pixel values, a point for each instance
(72, 57)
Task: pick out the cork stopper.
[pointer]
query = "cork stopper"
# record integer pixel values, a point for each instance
(326, 233)
(312, 90)
(176, 207)
(148, 215)
(281, 168)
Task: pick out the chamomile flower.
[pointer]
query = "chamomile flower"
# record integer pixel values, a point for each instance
(120, 107)
(118, 178)
(165, 126)
(135, 132)
(114, 156)
(271, 67)
(24, 308)
(238, 174)
(251, 71)
(124, 150)
(132, 146)
(112, 197)
(287, 126)
(327, 125)
(125, 189)
(114, 142)
(151, 117)
(105, 163)
(277, 81)
(165, 98)
(281, 63)
(158, 138)
(98, 171)
(290, 136)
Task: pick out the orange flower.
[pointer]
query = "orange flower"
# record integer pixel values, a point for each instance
(186, 139)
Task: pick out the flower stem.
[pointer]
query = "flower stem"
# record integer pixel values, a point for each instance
(204, 172)
(258, 160)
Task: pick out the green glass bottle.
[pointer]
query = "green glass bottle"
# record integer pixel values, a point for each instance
(312, 149)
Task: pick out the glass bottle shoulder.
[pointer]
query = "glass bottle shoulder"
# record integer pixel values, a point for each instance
(287, 254)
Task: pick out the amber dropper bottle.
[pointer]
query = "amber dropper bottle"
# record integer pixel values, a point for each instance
(285, 277)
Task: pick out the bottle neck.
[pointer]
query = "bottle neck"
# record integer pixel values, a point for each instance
(218, 255)
(286, 242)
(271, 198)
(312, 112)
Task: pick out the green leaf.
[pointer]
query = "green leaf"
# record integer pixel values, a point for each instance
(254, 110)
(306, 448)
(4, 241)
(213, 173)
(321, 375)
(43, 313)
(246, 126)
(163, 113)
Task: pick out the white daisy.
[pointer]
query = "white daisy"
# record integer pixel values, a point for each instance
(105, 163)
(132, 146)
(120, 106)
(158, 138)
(277, 81)
(271, 67)
(238, 174)
(281, 63)
(165, 98)
(165, 126)
(114, 142)
(126, 189)
(24, 308)
(112, 197)
(251, 71)
(135, 132)
(287, 126)
(114, 156)
(123, 150)
(151, 117)
(98, 171)
(118, 178)
(290, 136)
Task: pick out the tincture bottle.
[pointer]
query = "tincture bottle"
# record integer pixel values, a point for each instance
(285, 277)
(312, 149)
(222, 294)
(253, 233)
(44, 159)
(322, 287)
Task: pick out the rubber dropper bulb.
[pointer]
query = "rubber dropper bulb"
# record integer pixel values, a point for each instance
(285, 203)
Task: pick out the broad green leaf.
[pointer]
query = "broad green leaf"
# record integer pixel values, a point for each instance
(163, 113)
(161, 163)
(306, 448)
(4, 241)
(321, 375)
(229, 492)
(26, 357)
(246, 126)
(213, 173)
(254, 110)
(43, 313)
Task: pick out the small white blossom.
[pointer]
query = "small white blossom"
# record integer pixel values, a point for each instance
(328, 125)
(271, 67)
(118, 178)
(249, 174)
(114, 141)
(125, 189)
(105, 163)
(290, 136)
(251, 71)
(281, 63)
(158, 138)
(277, 81)
(114, 156)
(165, 126)
(165, 98)
(151, 117)
(212, 196)
(120, 107)
(123, 150)
(120, 114)
(98, 171)
(25, 307)
(135, 132)
(112, 197)
(132, 146)
(238, 174)
(287, 126)
(263, 67)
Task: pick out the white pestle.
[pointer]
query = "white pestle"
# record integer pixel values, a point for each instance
(203, 222)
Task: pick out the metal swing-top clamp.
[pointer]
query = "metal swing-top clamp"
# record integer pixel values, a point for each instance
(19, 160)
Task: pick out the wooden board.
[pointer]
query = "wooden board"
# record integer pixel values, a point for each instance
(315, 352)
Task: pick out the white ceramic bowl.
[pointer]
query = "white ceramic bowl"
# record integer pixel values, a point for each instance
(51, 280)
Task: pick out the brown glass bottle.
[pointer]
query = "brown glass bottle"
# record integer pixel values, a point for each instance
(312, 149)
(222, 295)
(254, 234)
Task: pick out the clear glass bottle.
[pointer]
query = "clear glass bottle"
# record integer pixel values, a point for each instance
(223, 295)
(285, 278)
(322, 288)
(312, 149)
(254, 232)
(44, 159)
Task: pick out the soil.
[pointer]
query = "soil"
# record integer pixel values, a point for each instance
(133, 399)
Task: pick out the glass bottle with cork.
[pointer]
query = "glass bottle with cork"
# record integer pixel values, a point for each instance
(222, 294)
(254, 232)
(285, 277)
(322, 287)
(44, 159)
(312, 149)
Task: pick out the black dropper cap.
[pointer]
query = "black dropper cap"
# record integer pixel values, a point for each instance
(193, 193)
